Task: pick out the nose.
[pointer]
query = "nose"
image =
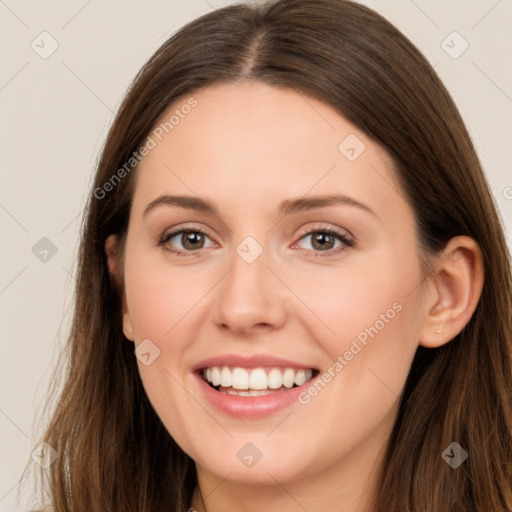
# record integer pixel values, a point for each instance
(250, 298)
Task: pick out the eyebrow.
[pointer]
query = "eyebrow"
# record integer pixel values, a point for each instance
(285, 207)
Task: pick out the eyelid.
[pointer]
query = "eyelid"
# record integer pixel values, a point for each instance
(324, 227)
(186, 227)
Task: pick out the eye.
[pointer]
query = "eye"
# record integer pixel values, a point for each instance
(190, 240)
(323, 240)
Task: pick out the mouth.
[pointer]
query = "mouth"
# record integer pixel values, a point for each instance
(247, 382)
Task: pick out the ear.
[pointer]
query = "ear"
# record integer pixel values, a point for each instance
(453, 291)
(114, 265)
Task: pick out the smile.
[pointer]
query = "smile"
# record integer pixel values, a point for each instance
(255, 381)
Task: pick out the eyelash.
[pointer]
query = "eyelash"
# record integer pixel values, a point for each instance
(346, 241)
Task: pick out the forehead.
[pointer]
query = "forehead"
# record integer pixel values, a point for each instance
(254, 144)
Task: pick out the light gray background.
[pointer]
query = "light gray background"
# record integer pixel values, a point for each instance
(55, 114)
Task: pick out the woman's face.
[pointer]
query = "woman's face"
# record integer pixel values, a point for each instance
(271, 280)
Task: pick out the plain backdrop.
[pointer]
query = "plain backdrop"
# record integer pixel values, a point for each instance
(56, 108)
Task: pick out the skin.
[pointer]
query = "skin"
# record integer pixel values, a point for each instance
(246, 147)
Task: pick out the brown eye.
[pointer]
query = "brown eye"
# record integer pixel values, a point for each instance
(322, 240)
(192, 240)
(326, 242)
(184, 241)
(325, 239)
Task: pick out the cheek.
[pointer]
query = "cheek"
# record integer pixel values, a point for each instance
(159, 296)
(369, 323)
(159, 301)
(347, 300)
(367, 318)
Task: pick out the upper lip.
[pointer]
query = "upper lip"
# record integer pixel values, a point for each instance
(255, 361)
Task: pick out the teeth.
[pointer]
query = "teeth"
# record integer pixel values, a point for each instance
(288, 377)
(300, 377)
(215, 376)
(225, 377)
(240, 378)
(275, 379)
(255, 380)
(258, 379)
(251, 392)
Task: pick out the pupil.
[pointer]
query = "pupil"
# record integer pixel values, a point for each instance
(323, 239)
(191, 238)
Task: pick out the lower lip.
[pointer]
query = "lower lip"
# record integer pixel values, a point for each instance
(250, 406)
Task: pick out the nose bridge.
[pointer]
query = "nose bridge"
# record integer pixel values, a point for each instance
(250, 294)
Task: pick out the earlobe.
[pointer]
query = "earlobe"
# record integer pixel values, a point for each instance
(454, 291)
(127, 324)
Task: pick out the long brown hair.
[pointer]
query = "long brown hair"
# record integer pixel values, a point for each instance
(114, 452)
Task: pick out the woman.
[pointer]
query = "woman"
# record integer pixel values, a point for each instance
(294, 291)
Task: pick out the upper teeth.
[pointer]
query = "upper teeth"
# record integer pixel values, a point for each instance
(257, 378)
